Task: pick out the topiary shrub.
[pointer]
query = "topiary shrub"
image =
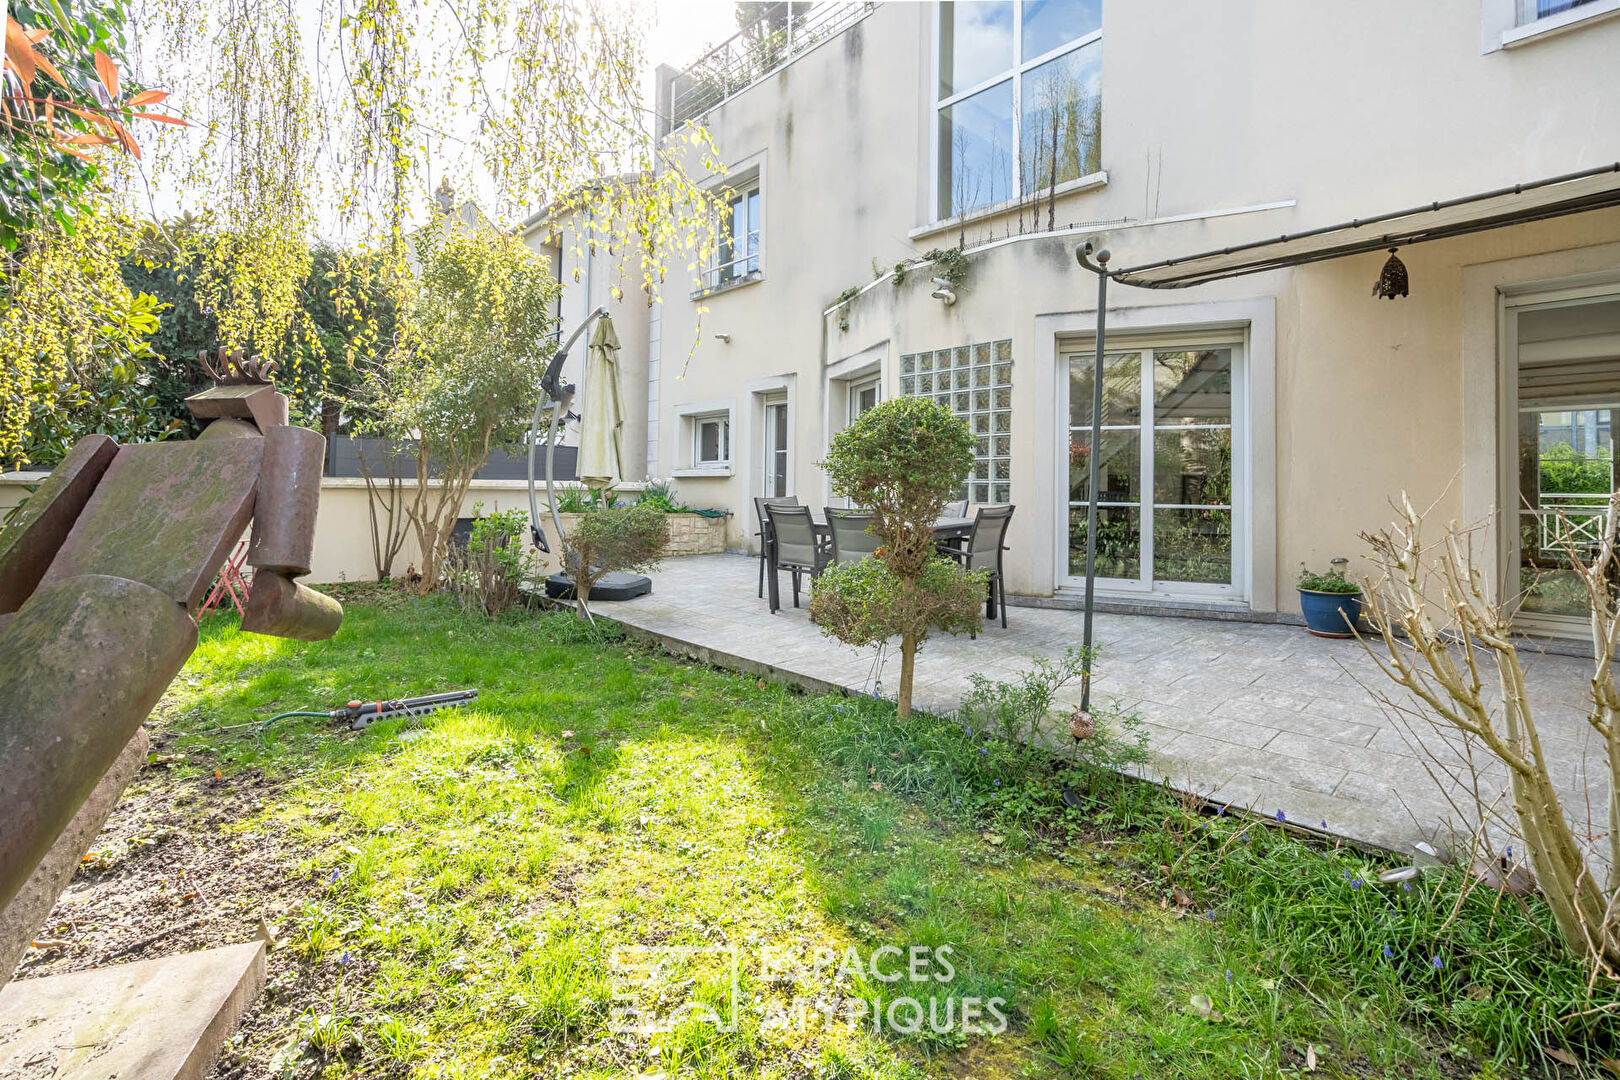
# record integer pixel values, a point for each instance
(609, 538)
(902, 460)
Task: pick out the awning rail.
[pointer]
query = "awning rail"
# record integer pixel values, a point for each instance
(1556, 196)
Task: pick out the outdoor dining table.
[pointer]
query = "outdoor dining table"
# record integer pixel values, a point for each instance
(952, 528)
(947, 530)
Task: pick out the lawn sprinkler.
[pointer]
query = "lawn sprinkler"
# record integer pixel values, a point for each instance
(361, 714)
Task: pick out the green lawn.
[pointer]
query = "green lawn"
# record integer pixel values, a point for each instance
(457, 897)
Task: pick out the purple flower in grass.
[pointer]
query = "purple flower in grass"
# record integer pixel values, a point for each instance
(1389, 953)
(332, 879)
(1355, 883)
(1281, 816)
(1228, 974)
(347, 958)
(1438, 963)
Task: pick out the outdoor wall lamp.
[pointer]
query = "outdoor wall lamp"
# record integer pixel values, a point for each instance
(724, 338)
(944, 292)
(1392, 280)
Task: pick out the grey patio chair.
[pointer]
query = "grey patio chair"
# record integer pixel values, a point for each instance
(764, 534)
(983, 550)
(850, 539)
(957, 509)
(794, 546)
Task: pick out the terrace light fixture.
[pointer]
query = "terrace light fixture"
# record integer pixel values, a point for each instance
(1392, 281)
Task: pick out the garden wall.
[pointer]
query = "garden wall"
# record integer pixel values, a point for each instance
(343, 529)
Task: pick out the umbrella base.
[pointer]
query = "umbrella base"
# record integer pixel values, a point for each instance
(614, 586)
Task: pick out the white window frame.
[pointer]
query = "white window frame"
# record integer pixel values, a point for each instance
(771, 390)
(1504, 30)
(839, 376)
(1144, 584)
(741, 179)
(770, 450)
(692, 417)
(1510, 302)
(1020, 67)
(722, 423)
(857, 387)
(749, 259)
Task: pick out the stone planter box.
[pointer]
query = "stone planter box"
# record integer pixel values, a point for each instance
(695, 534)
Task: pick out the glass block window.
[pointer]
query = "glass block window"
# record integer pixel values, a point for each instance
(975, 383)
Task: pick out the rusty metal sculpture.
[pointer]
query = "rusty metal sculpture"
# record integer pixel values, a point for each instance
(100, 581)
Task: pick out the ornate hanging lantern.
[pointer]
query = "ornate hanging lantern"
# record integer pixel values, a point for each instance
(1392, 281)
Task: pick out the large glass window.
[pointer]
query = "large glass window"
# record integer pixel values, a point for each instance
(1020, 99)
(1165, 497)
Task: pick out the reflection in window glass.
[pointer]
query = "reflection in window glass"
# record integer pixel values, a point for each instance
(1050, 23)
(976, 151)
(1062, 119)
(1185, 517)
(713, 442)
(975, 42)
(737, 243)
(1051, 66)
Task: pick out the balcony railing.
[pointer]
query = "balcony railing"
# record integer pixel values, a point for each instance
(743, 59)
(1569, 518)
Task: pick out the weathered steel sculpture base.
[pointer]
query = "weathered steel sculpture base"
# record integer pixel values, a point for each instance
(100, 581)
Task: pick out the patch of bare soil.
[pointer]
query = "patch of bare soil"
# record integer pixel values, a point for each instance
(172, 872)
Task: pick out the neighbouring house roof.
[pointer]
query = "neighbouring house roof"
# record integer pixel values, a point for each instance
(543, 217)
(1571, 193)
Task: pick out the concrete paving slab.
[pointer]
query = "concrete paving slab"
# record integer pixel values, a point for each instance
(162, 1019)
(1247, 712)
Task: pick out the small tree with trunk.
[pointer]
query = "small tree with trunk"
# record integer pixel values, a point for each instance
(1451, 644)
(608, 538)
(902, 461)
(467, 377)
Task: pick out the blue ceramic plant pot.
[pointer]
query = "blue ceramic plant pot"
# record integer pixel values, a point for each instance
(1330, 614)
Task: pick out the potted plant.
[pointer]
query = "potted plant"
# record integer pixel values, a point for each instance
(1331, 602)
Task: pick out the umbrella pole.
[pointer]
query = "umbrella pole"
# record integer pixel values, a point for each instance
(1094, 463)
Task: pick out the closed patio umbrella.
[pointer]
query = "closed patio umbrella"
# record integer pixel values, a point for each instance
(601, 425)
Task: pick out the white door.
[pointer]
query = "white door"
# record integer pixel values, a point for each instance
(1171, 495)
(775, 468)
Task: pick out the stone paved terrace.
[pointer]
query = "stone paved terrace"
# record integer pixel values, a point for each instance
(1257, 715)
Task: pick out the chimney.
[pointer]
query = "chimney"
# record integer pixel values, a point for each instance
(445, 197)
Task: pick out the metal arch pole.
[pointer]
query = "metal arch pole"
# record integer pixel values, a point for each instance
(558, 397)
(1100, 268)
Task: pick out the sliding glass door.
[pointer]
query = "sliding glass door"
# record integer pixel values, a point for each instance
(1167, 500)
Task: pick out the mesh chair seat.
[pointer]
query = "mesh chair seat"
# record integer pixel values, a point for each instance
(851, 538)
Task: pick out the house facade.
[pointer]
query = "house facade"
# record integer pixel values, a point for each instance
(906, 186)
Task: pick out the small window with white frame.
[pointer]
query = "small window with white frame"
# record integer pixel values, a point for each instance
(711, 441)
(864, 395)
